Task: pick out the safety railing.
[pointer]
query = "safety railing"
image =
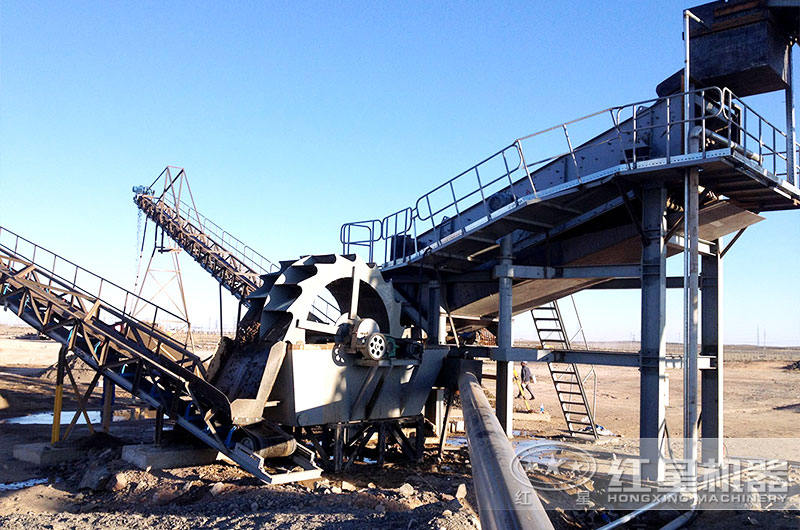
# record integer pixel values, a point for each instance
(473, 185)
(757, 136)
(249, 257)
(636, 133)
(116, 305)
(243, 256)
(361, 234)
(242, 252)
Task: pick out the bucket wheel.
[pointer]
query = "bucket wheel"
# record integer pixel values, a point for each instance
(332, 299)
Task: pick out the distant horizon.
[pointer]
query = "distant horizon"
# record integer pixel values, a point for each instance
(517, 340)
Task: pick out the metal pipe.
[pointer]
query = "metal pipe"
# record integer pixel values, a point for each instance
(680, 521)
(506, 499)
(687, 15)
(625, 518)
(697, 133)
(686, 60)
(691, 284)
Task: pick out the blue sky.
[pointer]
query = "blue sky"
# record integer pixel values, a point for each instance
(292, 118)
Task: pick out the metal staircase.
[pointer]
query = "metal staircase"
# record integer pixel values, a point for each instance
(566, 377)
(91, 317)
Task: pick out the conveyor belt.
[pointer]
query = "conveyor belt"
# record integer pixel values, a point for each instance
(63, 301)
(236, 266)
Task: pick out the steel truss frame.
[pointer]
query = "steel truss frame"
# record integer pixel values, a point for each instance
(230, 271)
(340, 445)
(139, 358)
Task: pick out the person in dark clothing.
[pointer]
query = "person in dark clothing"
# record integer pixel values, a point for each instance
(528, 380)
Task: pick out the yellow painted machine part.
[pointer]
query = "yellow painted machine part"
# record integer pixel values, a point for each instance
(57, 415)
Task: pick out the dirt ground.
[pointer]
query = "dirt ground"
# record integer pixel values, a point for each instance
(761, 402)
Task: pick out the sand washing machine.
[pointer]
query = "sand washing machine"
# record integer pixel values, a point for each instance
(289, 367)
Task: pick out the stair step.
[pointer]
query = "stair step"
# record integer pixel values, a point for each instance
(573, 402)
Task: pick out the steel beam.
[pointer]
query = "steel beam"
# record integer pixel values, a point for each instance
(712, 348)
(704, 248)
(598, 357)
(532, 272)
(673, 282)
(558, 356)
(527, 241)
(504, 389)
(652, 410)
(61, 367)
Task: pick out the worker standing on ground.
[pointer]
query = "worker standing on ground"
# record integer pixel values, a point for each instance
(528, 380)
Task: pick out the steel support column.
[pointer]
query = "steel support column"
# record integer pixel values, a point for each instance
(158, 432)
(505, 381)
(434, 410)
(652, 410)
(108, 398)
(108, 404)
(434, 313)
(791, 135)
(691, 283)
(61, 368)
(712, 347)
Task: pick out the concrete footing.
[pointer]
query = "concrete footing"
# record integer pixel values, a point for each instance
(168, 457)
(45, 454)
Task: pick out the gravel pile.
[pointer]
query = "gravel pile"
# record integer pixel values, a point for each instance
(105, 492)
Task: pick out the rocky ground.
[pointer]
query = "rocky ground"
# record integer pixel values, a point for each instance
(102, 491)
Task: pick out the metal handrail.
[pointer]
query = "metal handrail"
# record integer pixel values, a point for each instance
(243, 254)
(411, 215)
(743, 128)
(374, 235)
(32, 253)
(482, 186)
(776, 134)
(617, 114)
